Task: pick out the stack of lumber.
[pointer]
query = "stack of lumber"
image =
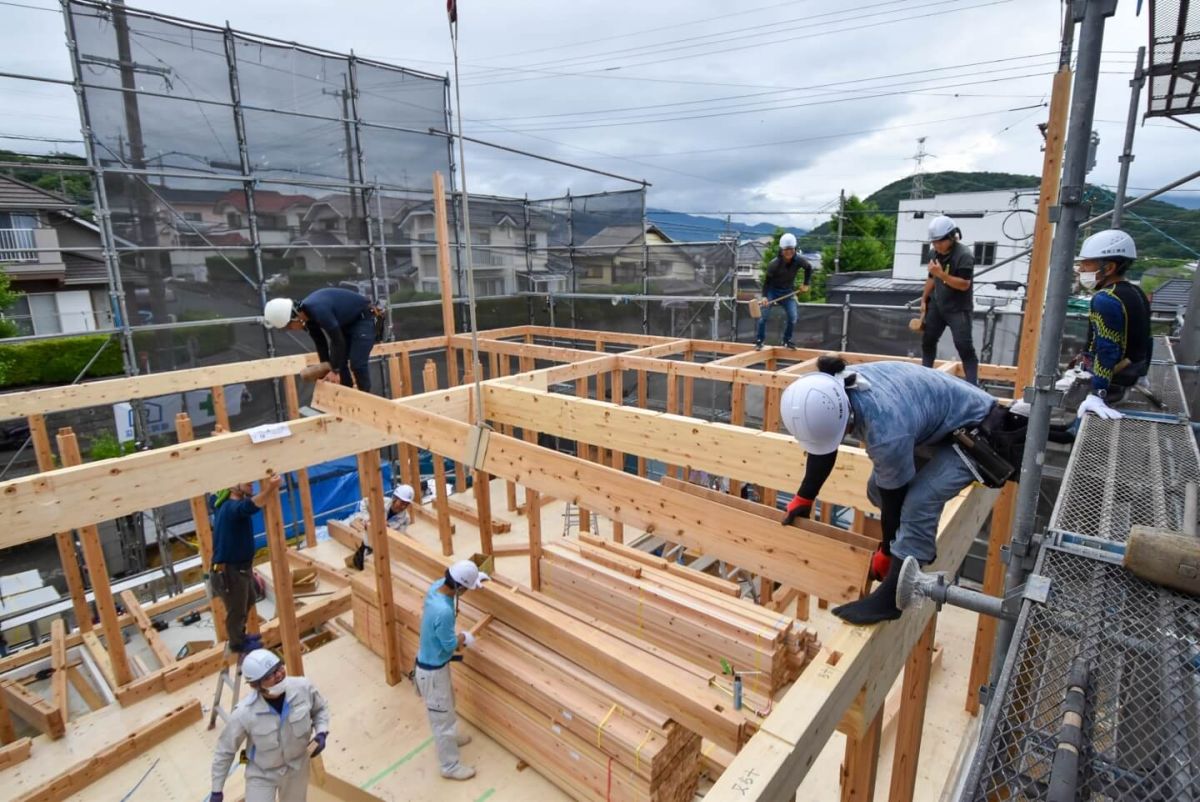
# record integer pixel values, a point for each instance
(589, 737)
(688, 617)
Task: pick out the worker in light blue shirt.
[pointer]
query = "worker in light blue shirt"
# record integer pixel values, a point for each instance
(439, 642)
(904, 414)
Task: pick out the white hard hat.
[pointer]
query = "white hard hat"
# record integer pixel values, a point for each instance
(278, 313)
(1111, 244)
(258, 664)
(467, 574)
(815, 410)
(403, 492)
(787, 241)
(941, 227)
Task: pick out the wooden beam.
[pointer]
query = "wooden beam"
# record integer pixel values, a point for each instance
(75, 779)
(743, 360)
(204, 535)
(441, 502)
(85, 689)
(285, 604)
(708, 370)
(499, 369)
(58, 664)
(765, 458)
(97, 567)
(862, 760)
(914, 694)
(292, 399)
(8, 733)
(775, 761)
(32, 709)
(368, 468)
(164, 655)
(831, 570)
(91, 642)
(15, 752)
(64, 541)
(442, 234)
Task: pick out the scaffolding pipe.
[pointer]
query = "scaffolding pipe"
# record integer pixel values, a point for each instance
(1126, 158)
(1092, 15)
(1064, 772)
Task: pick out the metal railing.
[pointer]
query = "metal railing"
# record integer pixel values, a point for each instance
(17, 245)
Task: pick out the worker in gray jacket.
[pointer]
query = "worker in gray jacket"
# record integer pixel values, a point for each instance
(280, 720)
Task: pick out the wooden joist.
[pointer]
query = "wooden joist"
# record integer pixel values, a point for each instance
(32, 709)
(471, 516)
(164, 655)
(58, 664)
(15, 752)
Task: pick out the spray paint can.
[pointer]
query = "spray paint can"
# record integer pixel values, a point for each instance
(737, 691)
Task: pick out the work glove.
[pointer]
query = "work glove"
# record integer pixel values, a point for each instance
(319, 740)
(798, 507)
(881, 563)
(468, 640)
(1095, 405)
(1069, 378)
(216, 796)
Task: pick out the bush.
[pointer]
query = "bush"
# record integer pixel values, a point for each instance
(58, 361)
(106, 446)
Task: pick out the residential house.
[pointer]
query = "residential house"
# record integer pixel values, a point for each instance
(1170, 299)
(622, 255)
(54, 258)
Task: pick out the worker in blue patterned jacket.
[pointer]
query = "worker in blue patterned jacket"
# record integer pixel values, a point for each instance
(1119, 343)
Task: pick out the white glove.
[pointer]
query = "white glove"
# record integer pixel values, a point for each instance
(1021, 408)
(468, 640)
(1095, 405)
(1069, 378)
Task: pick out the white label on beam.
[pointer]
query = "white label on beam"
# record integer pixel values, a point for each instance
(269, 431)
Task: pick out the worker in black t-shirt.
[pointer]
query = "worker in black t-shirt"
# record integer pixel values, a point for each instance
(947, 300)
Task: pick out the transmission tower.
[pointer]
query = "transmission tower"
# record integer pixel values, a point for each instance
(918, 179)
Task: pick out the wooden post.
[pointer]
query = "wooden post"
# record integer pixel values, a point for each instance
(220, 408)
(583, 451)
(400, 374)
(533, 504)
(737, 417)
(993, 585)
(442, 232)
(862, 759)
(368, 469)
(58, 662)
(642, 400)
(97, 568)
(306, 508)
(482, 487)
(204, 536)
(914, 694)
(617, 386)
(8, 733)
(770, 424)
(281, 574)
(441, 502)
(673, 409)
(65, 541)
(460, 470)
(500, 367)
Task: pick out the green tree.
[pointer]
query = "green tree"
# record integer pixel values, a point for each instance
(868, 238)
(8, 297)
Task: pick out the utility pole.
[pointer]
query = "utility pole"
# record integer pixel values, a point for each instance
(344, 94)
(837, 257)
(1139, 78)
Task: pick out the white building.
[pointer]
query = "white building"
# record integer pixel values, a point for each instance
(997, 224)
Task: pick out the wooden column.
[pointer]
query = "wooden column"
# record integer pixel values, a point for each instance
(770, 424)
(642, 400)
(292, 397)
(460, 470)
(482, 487)
(8, 733)
(616, 385)
(672, 409)
(914, 694)
(281, 574)
(737, 417)
(204, 535)
(1035, 298)
(400, 375)
(441, 502)
(93, 554)
(500, 367)
(583, 451)
(368, 469)
(442, 232)
(58, 662)
(533, 504)
(65, 541)
(862, 759)
(220, 408)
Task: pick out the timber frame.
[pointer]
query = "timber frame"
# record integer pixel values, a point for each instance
(539, 382)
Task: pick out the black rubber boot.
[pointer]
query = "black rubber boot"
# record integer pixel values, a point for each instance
(880, 605)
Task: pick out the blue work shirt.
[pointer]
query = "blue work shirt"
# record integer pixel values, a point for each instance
(909, 406)
(233, 531)
(438, 638)
(332, 310)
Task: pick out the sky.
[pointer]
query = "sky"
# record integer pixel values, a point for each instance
(764, 112)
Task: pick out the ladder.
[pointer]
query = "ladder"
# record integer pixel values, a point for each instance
(223, 681)
(570, 518)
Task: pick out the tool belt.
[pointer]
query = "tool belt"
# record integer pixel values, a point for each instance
(377, 313)
(993, 448)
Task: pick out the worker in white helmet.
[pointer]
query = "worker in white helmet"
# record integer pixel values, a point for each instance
(780, 281)
(280, 720)
(438, 644)
(947, 300)
(1119, 343)
(904, 414)
(344, 327)
(396, 504)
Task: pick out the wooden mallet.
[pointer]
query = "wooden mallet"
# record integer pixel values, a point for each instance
(315, 372)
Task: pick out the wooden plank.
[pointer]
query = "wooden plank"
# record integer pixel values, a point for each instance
(15, 752)
(610, 560)
(58, 663)
(441, 501)
(164, 655)
(914, 694)
(204, 535)
(339, 577)
(71, 497)
(93, 553)
(84, 688)
(766, 459)
(722, 586)
(743, 360)
(862, 760)
(75, 779)
(775, 761)
(830, 569)
(285, 603)
(292, 399)
(64, 541)
(32, 709)
(368, 470)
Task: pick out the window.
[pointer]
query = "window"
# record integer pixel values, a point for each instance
(430, 287)
(489, 286)
(233, 219)
(18, 313)
(43, 308)
(16, 237)
(330, 225)
(102, 307)
(193, 217)
(481, 238)
(985, 253)
(926, 253)
(532, 240)
(272, 222)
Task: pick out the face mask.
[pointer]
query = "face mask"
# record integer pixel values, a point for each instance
(275, 691)
(1087, 281)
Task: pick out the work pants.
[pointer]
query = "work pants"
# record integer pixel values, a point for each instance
(290, 786)
(959, 323)
(234, 584)
(360, 339)
(939, 479)
(438, 694)
(789, 306)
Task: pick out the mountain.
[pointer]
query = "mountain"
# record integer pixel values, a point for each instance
(696, 228)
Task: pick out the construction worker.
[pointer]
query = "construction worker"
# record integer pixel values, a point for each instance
(396, 504)
(1119, 343)
(781, 281)
(946, 299)
(438, 645)
(280, 719)
(343, 326)
(904, 415)
(232, 573)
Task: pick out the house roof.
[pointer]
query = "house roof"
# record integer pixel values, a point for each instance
(266, 201)
(84, 270)
(1171, 296)
(15, 194)
(621, 236)
(873, 283)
